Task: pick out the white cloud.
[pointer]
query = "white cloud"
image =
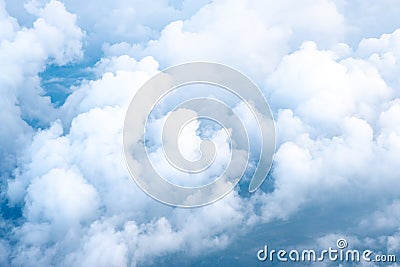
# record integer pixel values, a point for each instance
(24, 53)
(113, 21)
(60, 186)
(384, 53)
(337, 115)
(332, 132)
(267, 31)
(324, 91)
(84, 163)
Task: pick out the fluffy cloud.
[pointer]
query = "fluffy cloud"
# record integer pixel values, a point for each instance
(267, 30)
(335, 121)
(114, 21)
(24, 53)
(384, 53)
(336, 106)
(83, 161)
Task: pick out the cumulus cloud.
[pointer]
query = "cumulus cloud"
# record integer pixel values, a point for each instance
(332, 130)
(383, 52)
(25, 52)
(335, 101)
(267, 30)
(59, 164)
(114, 21)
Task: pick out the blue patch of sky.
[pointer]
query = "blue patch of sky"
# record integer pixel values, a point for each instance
(57, 81)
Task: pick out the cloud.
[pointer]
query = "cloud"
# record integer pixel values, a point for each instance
(25, 52)
(336, 105)
(114, 21)
(331, 123)
(64, 210)
(383, 52)
(82, 160)
(264, 35)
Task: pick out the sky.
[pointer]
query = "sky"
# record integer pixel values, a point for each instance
(69, 69)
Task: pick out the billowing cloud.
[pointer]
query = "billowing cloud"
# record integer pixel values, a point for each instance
(335, 100)
(267, 30)
(24, 53)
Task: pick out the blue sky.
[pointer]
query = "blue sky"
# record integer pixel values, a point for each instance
(328, 68)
